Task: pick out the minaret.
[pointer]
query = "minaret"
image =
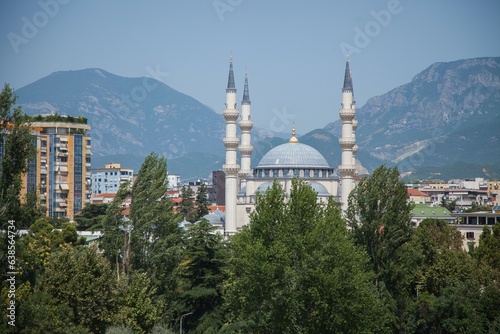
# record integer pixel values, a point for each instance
(347, 141)
(246, 125)
(231, 167)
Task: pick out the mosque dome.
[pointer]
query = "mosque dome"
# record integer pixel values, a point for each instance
(293, 155)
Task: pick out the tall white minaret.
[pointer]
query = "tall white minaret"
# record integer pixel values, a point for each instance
(347, 141)
(246, 125)
(231, 141)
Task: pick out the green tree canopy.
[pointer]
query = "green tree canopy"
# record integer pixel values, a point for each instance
(201, 201)
(201, 277)
(156, 235)
(85, 282)
(18, 147)
(295, 269)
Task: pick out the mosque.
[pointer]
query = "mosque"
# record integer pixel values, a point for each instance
(284, 162)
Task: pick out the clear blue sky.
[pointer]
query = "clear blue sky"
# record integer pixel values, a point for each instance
(293, 50)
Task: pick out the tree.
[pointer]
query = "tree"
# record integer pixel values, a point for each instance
(295, 269)
(380, 216)
(156, 235)
(112, 241)
(91, 217)
(201, 202)
(201, 277)
(489, 247)
(450, 205)
(138, 309)
(84, 281)
(187, 209)
(18, 147)
(42, 313)
(30, 210)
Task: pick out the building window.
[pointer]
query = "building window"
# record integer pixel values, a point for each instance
(469, 235)
(43, 143)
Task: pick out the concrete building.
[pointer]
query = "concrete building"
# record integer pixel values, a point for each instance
(60, 172)
(418, 197)
(471, 225)
(423, 211)
(107, 180)
(173, 181)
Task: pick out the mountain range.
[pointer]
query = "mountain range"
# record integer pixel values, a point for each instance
(448, 115)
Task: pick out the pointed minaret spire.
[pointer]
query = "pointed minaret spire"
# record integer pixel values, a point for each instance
(347, 140)
(246, 94)
(230, 80)
(246, 125)
(231, 141)
(347, 77)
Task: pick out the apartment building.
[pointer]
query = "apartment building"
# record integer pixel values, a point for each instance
(107, 180)
(60, 172)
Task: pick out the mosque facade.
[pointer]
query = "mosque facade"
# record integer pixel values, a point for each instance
(284, 162)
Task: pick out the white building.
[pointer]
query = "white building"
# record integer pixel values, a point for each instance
(107, 180)
(284, 162)
(173, 181)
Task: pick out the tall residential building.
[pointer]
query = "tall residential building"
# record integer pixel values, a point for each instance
(107, 180)
(60, 172)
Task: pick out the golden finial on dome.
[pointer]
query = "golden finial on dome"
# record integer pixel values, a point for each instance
(293, 139)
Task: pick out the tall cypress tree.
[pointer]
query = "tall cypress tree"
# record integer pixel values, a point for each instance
(17, 147)
(201, 201)
(156, 235)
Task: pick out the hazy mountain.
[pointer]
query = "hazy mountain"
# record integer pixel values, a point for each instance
(448, 113)
(131, 117)
(128, 115)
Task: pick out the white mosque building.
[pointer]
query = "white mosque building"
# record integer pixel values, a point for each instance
(284, 162)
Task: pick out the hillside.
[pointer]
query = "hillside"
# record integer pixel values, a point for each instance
(448, 113)
(128, 115)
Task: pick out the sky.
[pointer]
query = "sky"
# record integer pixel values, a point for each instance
(293, 51)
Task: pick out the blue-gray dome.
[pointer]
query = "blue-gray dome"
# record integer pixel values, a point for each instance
(293, 155)
(264, 186)
(319, 188)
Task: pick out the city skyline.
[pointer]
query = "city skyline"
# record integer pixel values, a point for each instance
(294, 53)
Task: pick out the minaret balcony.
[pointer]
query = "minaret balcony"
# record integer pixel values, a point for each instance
(347, 170)
(347, 114)
(246, 125)
(232, 142)
(347, 143)
(245, 149)
(231, 169)
(231, 114)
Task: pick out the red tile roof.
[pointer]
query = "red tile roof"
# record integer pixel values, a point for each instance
(416, 192)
